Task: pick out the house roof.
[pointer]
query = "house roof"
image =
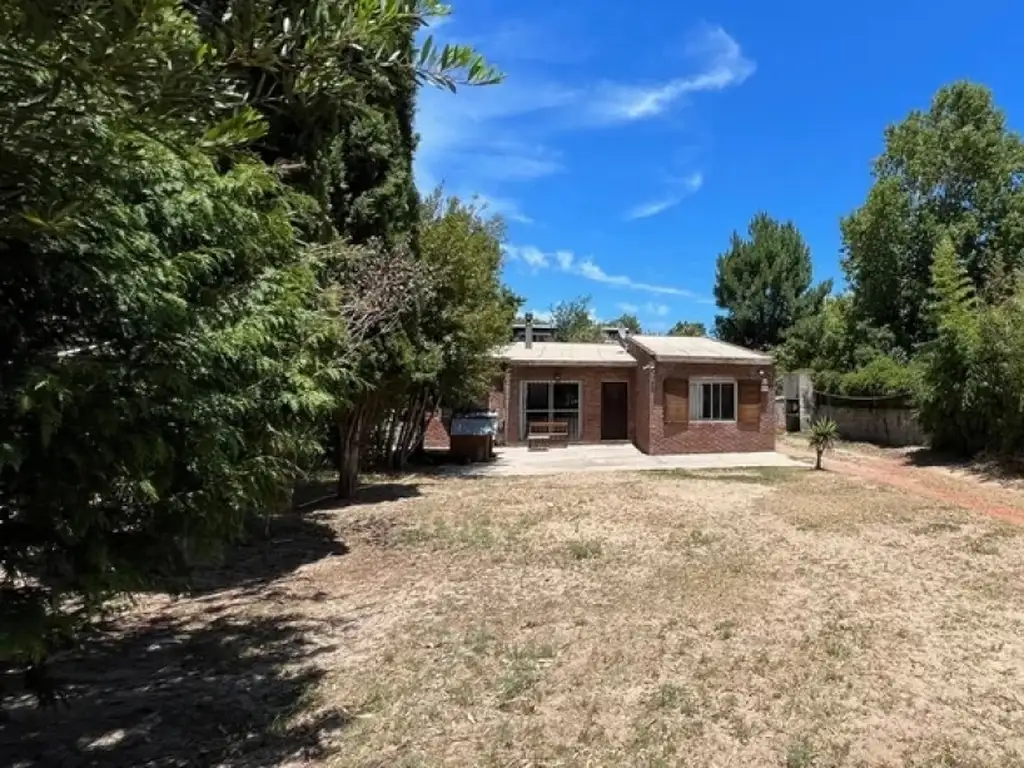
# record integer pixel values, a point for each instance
(536, 325)
(697, 349)
(565, 353)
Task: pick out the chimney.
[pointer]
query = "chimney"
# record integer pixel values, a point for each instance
(528, 333)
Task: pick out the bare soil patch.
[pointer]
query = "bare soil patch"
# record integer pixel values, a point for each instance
(916, 471)
(749, 618)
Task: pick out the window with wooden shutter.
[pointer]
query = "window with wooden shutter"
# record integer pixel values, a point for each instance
(712, 400)
(750, 405)
(676, 401)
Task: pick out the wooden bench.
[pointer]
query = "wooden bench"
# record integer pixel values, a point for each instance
(544, 434)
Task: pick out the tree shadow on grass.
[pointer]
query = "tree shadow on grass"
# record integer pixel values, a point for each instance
(321, 494)
(165, 694)
(991, 468)
(291, 540)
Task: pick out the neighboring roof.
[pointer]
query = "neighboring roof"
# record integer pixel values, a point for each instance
(697, 349)
(564, 353)
(522, 324)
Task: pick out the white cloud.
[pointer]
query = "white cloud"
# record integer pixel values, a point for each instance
(628, 308)
(693, 182)
(534, 257)
(659, 310)
(591, 271)
(540, 315)
(516, 40)
(494, 140)
(681, 188)
(474, 139)
(531, 256)
(505, 207)
(723, 66)
(567, 262)
(653, 208)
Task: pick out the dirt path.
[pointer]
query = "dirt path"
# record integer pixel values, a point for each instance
(937, 483)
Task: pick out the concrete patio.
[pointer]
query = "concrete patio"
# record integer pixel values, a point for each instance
(609, 458)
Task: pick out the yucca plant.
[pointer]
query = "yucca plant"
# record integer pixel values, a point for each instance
(824, 434)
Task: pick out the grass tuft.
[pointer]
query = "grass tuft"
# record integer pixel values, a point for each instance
(585, 549)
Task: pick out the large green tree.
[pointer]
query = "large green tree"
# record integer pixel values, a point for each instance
(687, 328)
(956, 171)
(629, 321)
(339, 100)
(574, 320)
(763, 284)
(179, 324)
(459, 320)
(163, 331)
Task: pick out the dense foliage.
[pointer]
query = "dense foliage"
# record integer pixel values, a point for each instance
(764, 285)
(627, 321)
(157, 384)
(972, 393)
(212, 250)
(687, 328)
(934, 263)
(575, 320)
(448, 340)
(953, 172)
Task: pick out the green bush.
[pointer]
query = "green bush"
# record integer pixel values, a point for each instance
(972, 395)
(881, 377)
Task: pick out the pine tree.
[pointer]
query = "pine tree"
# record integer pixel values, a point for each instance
(764, 284)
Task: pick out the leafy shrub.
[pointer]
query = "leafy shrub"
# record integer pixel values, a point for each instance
(972, 396)
(881, 377)
(824, 433)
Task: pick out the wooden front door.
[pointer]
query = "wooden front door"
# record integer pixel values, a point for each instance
(614, 410)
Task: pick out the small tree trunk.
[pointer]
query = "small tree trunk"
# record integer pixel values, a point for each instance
(412, 428)
(395, 427)
(349, 433)
(817, 463)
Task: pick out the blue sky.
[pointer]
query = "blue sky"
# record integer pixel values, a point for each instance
(630, 139)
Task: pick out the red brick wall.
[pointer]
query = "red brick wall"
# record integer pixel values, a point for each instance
(436, 437)
(642, 402)
(699, 437)
(590, 379)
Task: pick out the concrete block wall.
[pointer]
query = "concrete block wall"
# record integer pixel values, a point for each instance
(882, 426)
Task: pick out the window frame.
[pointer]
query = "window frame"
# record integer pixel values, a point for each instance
(697, 397)
(576, 434)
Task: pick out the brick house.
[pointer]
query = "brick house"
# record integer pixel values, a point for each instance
(665, 394)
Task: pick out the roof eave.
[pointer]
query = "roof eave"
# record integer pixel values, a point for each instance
(713, 360)
(574, 363)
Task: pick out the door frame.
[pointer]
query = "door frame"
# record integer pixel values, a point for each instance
(626, 405)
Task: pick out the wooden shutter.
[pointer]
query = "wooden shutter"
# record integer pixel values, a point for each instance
(676, 404)
(750, 405)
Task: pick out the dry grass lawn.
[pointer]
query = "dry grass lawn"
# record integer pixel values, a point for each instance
(761, 618)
